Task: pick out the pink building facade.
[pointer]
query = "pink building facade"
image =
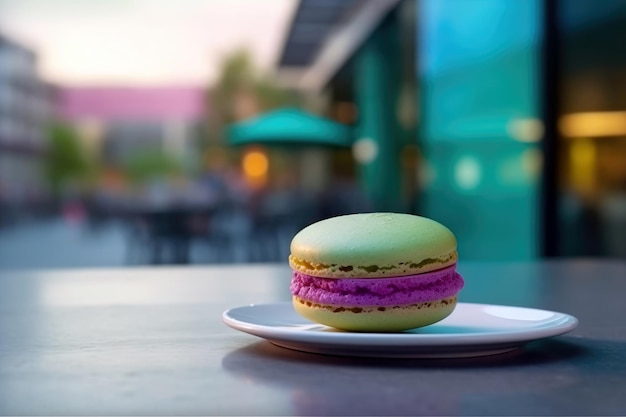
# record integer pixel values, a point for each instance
(116, 122)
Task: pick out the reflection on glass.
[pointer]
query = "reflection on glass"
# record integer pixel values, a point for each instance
(480, 126)
(592, 125)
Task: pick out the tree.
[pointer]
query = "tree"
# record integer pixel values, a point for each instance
(146, 166)
(65, 162)
(237, 75)
(243, 90)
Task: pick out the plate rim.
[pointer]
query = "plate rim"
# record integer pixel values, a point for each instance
(563, 323)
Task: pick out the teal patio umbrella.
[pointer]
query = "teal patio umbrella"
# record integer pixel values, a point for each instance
(289, 126)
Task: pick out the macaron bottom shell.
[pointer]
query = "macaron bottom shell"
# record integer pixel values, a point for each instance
(376, 318)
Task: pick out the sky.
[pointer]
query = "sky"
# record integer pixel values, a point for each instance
(144, 42)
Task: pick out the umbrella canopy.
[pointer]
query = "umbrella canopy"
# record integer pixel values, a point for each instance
(289, 126)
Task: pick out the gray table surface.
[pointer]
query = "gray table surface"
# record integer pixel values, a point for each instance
(150, 341)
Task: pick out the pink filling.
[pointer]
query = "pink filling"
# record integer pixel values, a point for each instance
(411, 289)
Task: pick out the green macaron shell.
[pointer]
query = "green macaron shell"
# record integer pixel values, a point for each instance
(372, 245)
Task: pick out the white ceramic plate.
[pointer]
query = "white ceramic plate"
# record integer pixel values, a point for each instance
(471, 330)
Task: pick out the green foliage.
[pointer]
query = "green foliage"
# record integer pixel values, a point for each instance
(236, 75)
(145, 166)
(270, 96)
(65, 160)
(237, 70)
(239, 75)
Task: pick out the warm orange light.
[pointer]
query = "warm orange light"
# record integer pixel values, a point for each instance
(346, 112)
(582, 154)
(593, 124)
(255, 164)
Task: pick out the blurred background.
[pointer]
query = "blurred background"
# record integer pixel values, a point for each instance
(139, 132)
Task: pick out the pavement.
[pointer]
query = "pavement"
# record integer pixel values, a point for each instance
(61, 244)
(65, 244)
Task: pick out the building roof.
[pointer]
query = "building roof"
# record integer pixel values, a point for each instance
(126, 103)
(16, 47)
(312, 23)
(324, 34)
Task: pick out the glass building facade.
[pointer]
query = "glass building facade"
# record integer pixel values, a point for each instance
(504, 120)
(479, 78)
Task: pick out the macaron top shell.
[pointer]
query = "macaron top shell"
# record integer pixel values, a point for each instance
(372, 245)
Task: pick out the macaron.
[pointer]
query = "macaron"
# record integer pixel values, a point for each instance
(375, 272)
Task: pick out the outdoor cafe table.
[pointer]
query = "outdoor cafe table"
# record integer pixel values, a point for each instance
(151, 341)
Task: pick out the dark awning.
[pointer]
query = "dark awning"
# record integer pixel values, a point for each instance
(312, 23)
(324, 34)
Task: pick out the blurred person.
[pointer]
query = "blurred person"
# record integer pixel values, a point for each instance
(280, 211)
(231, 223)
(74, 213)
(582, 234)
(344, 195)
(161, 228)
(613, 213)
(214, 183)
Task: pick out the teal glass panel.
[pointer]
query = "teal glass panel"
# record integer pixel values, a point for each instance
(480, 125)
